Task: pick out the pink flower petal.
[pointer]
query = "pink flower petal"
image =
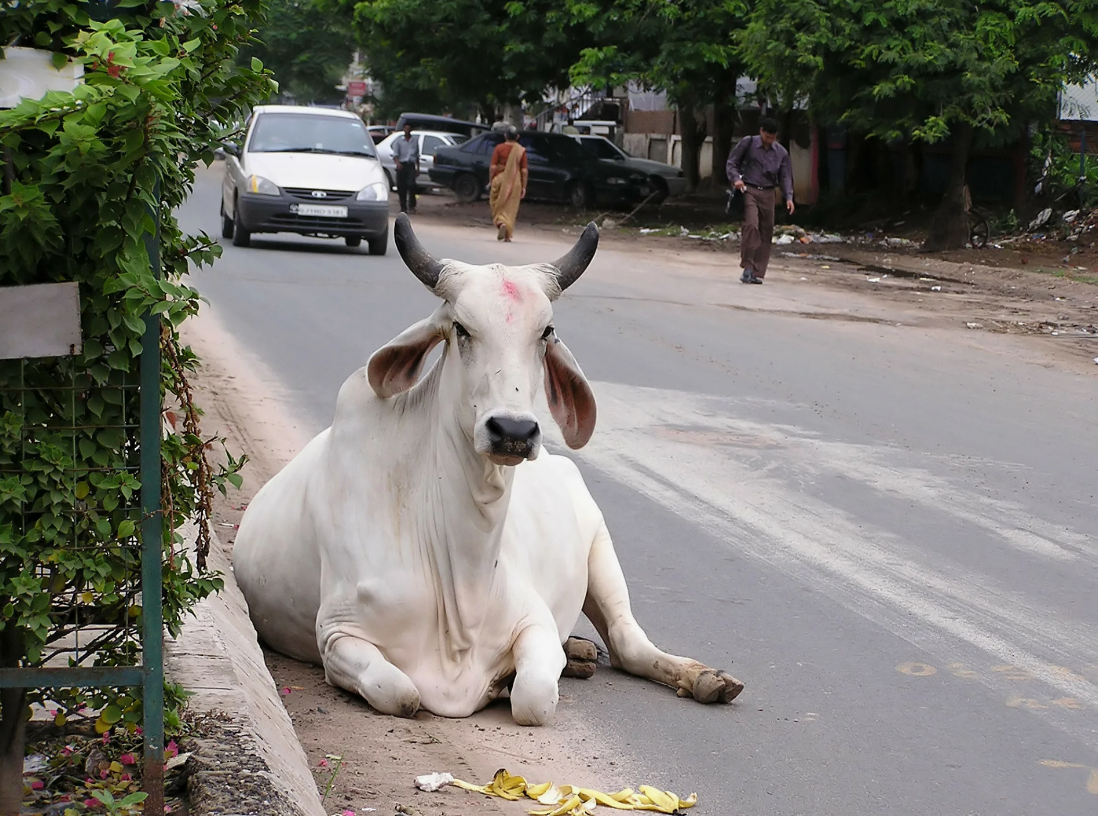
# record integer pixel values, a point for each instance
(91, 803)
(127, 759)
(104, 774)
(125, 777)
(348, 813)
(37, 784)
(285, 691)
(323, 763)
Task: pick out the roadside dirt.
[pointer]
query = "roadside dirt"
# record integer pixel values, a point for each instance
(381, 756)
(1034, 288)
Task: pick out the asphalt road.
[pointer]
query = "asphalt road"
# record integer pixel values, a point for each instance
(889, 533)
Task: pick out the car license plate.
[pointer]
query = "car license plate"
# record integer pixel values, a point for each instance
(319, 210)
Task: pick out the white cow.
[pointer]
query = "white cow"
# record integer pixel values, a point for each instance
(407, 551)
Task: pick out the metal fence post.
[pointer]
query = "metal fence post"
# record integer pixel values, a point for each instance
(152, 543)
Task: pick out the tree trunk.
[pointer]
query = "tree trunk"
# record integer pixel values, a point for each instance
(724, 123)
(693, 134)
(855, 177)
(949, 227)
(13, 723)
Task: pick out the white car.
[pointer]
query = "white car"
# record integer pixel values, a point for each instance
(310, 171)
(429, 142)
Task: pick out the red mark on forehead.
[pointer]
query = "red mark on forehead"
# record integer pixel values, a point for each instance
(511, 290)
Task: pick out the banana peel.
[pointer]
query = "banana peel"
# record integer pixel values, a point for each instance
(568, 800)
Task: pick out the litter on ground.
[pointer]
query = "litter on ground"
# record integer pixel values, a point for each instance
(565, 800)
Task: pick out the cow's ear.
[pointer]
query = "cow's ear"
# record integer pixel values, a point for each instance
(395, 367)
(570, 399)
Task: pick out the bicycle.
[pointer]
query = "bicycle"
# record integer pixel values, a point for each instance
(979, 227)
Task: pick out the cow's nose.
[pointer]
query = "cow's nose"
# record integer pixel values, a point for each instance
(514, 437)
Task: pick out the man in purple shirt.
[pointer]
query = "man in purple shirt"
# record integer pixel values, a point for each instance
(757, 166)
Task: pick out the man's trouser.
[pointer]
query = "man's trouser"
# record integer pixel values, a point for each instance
(406, 187)
(758, 228)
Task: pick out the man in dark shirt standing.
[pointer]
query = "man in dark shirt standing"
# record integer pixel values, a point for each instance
(757, 166)
(406, 158)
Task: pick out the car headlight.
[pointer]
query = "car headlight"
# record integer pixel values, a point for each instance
(373, 192)
(262, 186)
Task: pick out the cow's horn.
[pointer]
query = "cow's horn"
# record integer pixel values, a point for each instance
(572, 265)
(418, 259)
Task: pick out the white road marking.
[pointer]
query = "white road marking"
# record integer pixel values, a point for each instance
(700, 458)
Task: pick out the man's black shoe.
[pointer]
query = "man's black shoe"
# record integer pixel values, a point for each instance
(746, 277)
(755, 280)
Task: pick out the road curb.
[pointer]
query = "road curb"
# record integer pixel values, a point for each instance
(248, 760)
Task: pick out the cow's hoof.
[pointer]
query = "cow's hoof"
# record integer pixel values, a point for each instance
(716, 687)
(582, 669)
(582, 658)
(580, 649)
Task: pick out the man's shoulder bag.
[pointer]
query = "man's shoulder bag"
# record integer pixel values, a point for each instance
(733, 205)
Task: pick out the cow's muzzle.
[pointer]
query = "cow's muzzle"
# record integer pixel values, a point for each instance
(512, 439)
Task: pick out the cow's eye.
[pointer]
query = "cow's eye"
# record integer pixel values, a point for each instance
(545, 335)
(460, 330)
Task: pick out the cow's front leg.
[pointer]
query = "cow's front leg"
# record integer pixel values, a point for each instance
(356, 665)
(607, 607)
(539, 660)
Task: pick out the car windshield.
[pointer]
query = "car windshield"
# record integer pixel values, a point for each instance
(568, 148)
(601, 148)
(307, 133)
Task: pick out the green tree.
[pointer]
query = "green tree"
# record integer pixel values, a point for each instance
(306, 48)
(685, 47)
(924, 70)
(462, 55)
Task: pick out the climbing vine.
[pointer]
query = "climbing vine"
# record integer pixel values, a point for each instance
(91, 181)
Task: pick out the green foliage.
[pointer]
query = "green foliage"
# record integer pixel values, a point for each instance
(921, 68)
(305, 47)
(685, 47)
(91, 172)
(1053, 158)
(119, 806)
(460, 55)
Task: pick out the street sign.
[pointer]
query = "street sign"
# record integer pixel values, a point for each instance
(1079, 103)
(357, 88)
(41, 320)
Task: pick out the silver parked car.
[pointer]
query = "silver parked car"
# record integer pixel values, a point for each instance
(664, 179)
(311, 171)
(429, 142)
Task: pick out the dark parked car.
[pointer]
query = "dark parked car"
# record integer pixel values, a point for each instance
(447, 124)
(560, 170)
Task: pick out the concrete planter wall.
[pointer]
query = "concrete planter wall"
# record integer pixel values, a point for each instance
(28, 73)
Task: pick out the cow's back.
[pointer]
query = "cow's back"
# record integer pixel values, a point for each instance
(276, 557)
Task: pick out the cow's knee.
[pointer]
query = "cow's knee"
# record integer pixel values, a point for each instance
(539, 660)
(389, 690)
(534, 698)
(357, 665)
